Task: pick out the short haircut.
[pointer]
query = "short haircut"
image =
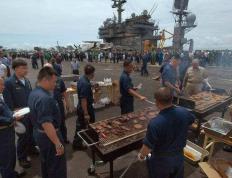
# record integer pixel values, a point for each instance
(195, 61)
(127, 63)
(18, 62)
(89, 69)
(163, 95)
(46, 73)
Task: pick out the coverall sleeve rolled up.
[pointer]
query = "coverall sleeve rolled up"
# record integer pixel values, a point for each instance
(151, 136)
(127, 84)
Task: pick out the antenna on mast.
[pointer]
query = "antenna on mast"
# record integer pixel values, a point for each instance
(184, 22)
(118, 4)
(153, 9)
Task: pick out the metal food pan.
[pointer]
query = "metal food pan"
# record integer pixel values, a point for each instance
(218, 126)
(196, 149)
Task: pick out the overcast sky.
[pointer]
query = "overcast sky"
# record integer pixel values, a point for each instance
(26, 23)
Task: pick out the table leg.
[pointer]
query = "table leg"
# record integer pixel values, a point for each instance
(205, 141)
(211, 150)
(91, 169)
(111, 169)
(205, 145)
(93, 157)
(209, 144)
(198, 130)
(111, 93)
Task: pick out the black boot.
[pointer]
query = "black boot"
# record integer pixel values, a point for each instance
(227, 148)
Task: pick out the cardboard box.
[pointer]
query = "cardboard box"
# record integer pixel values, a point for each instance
(209, 170)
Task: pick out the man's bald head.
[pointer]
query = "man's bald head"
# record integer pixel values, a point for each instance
(163, 96)
(48, 65)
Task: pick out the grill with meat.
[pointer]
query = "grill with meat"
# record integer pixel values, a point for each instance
(119, 128)
(118, 136)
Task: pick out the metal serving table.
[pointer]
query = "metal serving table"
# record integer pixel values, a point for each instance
(217, 130)
(202, 112)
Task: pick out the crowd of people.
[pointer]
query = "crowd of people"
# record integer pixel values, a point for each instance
(206, 57)
(215, 57)
(141, 60)
(113, 56)
(46, 131)
(16, 93)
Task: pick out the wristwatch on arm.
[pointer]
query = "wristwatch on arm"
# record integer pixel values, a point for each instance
(59, 146)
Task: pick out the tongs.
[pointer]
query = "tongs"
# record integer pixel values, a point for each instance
(208, 84)
(130, 164)
(128, 167)
(150, 102)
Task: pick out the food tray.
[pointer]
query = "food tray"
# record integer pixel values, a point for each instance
(21, 112)
(218, 125)
(194, 153)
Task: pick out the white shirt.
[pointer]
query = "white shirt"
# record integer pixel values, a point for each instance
(74, 65)
(23, 81)
(110, 55)
(1, 96)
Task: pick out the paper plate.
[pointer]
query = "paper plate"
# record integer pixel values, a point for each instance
(19, 128)
(21, 112)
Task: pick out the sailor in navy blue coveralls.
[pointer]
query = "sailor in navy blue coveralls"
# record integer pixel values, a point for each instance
(85, 112)
(45, 110)
(59, 91)
(166, 138)
(127, 90)
(16, 95)
(7, 142)
(127, 100)
(7, 139)
(59, 95)
(170, 76)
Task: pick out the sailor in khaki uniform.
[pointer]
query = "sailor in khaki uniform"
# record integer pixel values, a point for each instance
(194, 78)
